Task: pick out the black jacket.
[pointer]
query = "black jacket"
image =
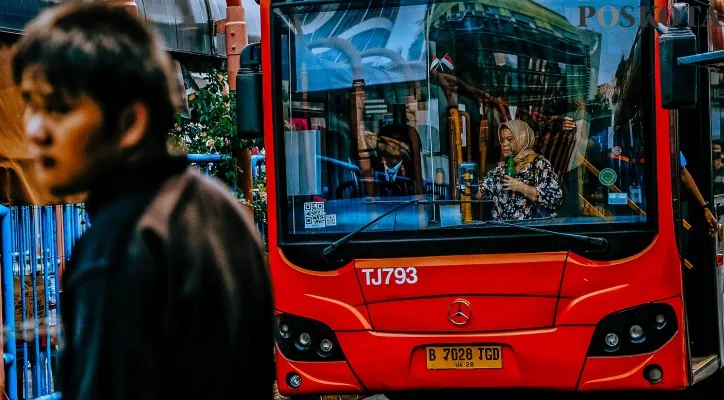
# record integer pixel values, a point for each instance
(167, 295)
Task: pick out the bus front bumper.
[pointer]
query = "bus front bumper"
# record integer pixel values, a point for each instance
(547, 359)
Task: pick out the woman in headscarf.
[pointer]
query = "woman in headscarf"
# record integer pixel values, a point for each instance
(533, 190)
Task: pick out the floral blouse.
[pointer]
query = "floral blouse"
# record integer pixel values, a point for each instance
(509, 205)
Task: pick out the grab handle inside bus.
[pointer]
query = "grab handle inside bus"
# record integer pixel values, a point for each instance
(678, 82)
(249, 106)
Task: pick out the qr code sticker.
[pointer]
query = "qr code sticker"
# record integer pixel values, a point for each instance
(331, 219)
(314, 216)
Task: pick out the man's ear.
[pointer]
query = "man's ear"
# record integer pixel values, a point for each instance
(134, 124)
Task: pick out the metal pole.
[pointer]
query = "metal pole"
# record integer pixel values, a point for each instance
(60, 227)
(8, 293)
(236, 39)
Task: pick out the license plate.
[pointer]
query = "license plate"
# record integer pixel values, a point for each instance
(464, 357)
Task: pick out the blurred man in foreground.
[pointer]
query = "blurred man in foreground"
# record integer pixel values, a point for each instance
(167, 294)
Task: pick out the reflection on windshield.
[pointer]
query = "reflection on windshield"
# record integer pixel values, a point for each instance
(506, 102)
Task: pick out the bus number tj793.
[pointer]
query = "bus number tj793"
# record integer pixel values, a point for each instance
(383, 276)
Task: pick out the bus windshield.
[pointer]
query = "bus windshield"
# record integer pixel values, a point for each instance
(537, 112)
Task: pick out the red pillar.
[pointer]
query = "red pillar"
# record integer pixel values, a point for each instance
(236, 39)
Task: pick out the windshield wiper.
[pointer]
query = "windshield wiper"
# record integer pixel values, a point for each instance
(338, 243)
(592, 240)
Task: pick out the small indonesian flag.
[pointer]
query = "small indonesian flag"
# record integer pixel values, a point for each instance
(434, 64)
(447, 61)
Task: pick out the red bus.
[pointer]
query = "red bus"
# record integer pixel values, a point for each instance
(485, 195)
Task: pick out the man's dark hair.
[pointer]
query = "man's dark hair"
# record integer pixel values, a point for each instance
(105, 52)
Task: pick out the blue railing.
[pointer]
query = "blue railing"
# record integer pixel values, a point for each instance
(207, 160)
(36, 243)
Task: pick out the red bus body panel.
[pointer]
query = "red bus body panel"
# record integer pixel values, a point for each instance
(592, 290)
(541, 308)
(526, 288)
(401, 323)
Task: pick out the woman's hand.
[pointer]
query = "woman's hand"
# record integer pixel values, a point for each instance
(711, 220)
(515, 185)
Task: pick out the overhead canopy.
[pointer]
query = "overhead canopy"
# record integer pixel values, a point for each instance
(185, 25)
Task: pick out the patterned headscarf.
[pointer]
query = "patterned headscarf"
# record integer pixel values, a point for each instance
(524, 140)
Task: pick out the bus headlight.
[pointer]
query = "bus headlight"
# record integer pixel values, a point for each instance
(294, 380)
(284, 330)
(660, 321)
(637, 330)
(653, 373)
(326, 345)
(304, 339)
(611, 342)
(637, 334)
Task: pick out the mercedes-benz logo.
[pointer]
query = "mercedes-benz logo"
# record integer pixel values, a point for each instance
(460, 312)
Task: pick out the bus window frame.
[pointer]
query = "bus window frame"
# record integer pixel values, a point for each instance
(303, 249)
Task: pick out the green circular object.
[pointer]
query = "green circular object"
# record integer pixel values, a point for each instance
(607, 176)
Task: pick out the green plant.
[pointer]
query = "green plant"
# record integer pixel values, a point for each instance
(259, 204)
(211, 129)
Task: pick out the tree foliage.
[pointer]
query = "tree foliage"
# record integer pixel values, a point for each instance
(211, 129)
